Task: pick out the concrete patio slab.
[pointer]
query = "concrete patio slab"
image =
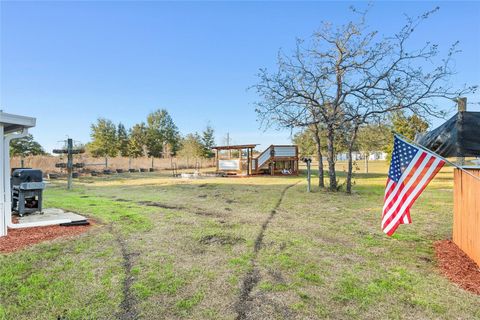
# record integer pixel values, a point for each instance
(50, 216)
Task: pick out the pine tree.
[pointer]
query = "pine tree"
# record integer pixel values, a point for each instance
(208, 141)
(122, 138)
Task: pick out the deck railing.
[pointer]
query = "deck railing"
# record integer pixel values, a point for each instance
(264, 157)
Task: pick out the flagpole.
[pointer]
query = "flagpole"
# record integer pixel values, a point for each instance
(428, 150)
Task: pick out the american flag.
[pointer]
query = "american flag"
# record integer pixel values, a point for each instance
(410, 172)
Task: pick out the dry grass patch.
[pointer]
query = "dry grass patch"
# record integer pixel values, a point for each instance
(193, 243)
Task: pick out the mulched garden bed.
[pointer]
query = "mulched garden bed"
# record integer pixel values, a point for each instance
(457, 266)
(18, 239)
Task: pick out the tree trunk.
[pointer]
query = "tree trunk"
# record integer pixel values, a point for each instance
(350, 160)
(350, 170)
(321, 179)
(366, 161)
(331, 157)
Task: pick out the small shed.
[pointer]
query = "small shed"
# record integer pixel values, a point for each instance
(11, 127)
(460, 137)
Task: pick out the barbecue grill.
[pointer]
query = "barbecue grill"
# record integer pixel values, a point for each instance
(27, 188)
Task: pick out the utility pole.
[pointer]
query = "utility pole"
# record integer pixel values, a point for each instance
(228, 145)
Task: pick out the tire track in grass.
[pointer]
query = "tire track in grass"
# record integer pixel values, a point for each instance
(129, 301)
(252, 277)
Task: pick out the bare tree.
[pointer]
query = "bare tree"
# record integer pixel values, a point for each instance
(349, 76)
(316, 130)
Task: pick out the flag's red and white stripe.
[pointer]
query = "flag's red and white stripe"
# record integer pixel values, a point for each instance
(400, 196)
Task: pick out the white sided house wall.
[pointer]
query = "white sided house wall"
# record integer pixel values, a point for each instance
(12, 127)
(374, 155)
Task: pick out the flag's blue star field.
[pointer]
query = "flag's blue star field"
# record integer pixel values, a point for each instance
(402, 155)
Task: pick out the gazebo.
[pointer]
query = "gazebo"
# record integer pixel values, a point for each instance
(11, 127)
(235, 159)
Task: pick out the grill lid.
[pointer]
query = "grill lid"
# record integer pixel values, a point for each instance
(26, 175)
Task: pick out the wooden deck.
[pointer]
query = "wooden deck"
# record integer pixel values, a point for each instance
(275, 160)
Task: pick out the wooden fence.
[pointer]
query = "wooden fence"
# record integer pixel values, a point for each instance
(47, 163)
(466, 217)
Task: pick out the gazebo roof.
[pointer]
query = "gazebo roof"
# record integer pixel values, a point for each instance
(13, 123)
(237, 146)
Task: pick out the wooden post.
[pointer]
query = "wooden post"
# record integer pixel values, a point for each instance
(462, 107)
(296, 160)
(69, 163)
(462, 104)
(248, 161)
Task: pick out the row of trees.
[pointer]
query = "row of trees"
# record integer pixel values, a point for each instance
(370, 138)
(158, 137)
(349, 77)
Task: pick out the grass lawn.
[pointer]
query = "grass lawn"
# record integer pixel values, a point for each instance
(226, 248)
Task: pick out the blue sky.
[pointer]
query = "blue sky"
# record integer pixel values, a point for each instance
(68, 63)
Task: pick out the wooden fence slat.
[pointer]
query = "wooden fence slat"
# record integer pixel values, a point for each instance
(466, 217)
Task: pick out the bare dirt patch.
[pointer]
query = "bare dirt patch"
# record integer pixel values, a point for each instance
(221, 239)
(457, 266)
(196, 211)
(18, 239)
(159, 205)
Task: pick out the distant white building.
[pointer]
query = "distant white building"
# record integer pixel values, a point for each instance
(374, 155)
